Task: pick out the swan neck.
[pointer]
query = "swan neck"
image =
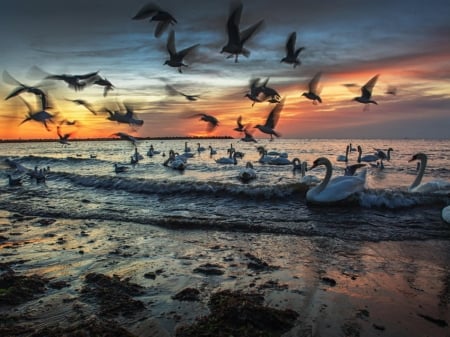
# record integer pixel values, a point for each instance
(423, 164)
(327, 178)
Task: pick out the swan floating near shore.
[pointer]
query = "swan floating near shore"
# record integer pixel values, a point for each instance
(336, 189)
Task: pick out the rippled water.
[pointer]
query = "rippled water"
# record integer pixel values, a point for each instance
(82, 184)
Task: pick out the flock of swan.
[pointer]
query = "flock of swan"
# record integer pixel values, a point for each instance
(330, 189)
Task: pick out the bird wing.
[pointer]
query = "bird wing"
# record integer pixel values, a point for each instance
(171, 44)
(290, 44)
(233, 24)
(274, 115)
(182, 53)
(10, 80)
(314, 83)
(86, 76)
(171, 90)
(161, 27)
(146, 11)
(366, 90)
(16, 92)
(247, 33)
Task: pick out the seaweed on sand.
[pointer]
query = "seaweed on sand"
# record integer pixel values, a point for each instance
(240, 314)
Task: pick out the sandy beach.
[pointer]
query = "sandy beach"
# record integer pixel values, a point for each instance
(64, 277)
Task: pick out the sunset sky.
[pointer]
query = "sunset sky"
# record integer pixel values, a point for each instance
(406, 42)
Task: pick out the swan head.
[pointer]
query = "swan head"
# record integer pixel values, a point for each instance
(418, 156)
(319, 161)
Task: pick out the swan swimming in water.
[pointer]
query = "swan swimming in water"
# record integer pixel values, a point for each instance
(336, 189)
(247, 173)
(429, 186)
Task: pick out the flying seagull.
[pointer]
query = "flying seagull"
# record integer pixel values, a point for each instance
(212, 122)
(102, 81)
(366, 92)
(272, 120)
(237, 38)
(84, 103)
(314, 89)
(155, 13)
(173, 92)
(292, 53)
(75, 82)
(40, 116)
(63, 138)
(176, 58)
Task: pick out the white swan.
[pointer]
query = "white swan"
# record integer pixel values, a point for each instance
(247, 173)
(336, 189)
(309, 180)
(342, 157)
(446, 214)
(175, 161)
(231, 159)
(429, 186)
(367, 158)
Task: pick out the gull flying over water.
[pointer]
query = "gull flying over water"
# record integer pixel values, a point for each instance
(63, 138)
(260, 92)
(173, 92)
(40, 116)
(272, 120)
(176, 58)
(366, 92)
(212, 122)
(105, 83)
(22, 88)
(126, 118)
(84, 103)
(292, 53)
(75, 82)
(314, 89)
(237, 38)
(155, 13)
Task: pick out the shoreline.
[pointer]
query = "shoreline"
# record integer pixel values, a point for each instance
(335, 287)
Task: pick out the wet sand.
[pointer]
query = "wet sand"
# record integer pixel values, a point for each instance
(122, 279)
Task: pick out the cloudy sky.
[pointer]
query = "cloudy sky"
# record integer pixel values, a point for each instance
(406, 42)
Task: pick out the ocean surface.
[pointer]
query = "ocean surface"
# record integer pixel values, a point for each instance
(81, 183)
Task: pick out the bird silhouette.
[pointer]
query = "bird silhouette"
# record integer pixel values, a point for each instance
(176, 58)
(212, 122)
(102, 81)
(173, 92)
(292, 53)
(260, 92)
(127, 117)
(84, 103)
(314, 89)
(272, 120)
(237, 38)
(155, 13)
(366, 91)
(41, 116)
(63, 138)
(23, 88)
(75, 82)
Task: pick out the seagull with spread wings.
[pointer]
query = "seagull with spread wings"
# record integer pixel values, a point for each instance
(271, 121)
(176, 58)
(366, 92)
(313, 89)
(155, 13)
(292, 53)
(236, 37)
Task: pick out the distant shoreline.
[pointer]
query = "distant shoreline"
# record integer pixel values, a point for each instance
(109, 139)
